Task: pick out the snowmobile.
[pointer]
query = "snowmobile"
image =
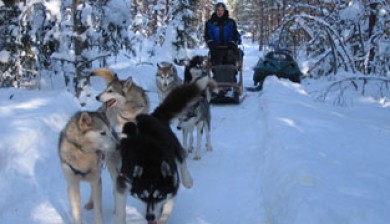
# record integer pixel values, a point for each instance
(225, 67)
(280, 63)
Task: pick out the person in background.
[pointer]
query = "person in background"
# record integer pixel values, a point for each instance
(222, 36)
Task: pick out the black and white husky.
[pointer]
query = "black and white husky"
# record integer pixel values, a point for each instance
(153, 160)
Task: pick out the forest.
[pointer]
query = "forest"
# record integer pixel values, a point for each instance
(40, 39)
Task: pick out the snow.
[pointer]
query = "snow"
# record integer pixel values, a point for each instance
(280, 157)
(4, 56)
(54, 8)
(354, 11)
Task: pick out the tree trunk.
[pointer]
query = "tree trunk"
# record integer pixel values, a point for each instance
(77, 45)
(371, 24)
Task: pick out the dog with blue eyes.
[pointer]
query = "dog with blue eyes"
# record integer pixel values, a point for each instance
(153, 160)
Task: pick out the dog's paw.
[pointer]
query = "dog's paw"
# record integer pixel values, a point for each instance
(188, 182)
(89, 205)
(209, 148)
(196, 157)
(185, 175)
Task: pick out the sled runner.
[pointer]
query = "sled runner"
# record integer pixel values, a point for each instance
(225, 67)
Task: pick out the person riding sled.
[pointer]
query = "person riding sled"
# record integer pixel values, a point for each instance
(222, 37)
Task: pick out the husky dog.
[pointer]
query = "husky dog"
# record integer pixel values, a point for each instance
(196, 67)
(83, 144)
(197, 116)
(166, 79)
(153, 160)
(123, 99)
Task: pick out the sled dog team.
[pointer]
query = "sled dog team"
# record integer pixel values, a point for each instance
(142, 154)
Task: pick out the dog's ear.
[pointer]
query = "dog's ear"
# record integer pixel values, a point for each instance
(85, 120)
(166, 169)
(160, 65)
(115, 77)
(128, 83)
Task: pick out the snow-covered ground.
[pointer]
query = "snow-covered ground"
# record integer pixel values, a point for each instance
(280, 157)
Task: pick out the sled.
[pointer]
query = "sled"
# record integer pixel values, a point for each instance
(228, 76)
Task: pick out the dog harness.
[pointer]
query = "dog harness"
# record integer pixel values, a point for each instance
(76, 171)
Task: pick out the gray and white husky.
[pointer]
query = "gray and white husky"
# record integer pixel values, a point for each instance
(123, 99)
(197, 116)
(166, 79)
(153, 160)
(83, 144)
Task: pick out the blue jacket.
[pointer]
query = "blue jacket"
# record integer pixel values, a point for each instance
(221, 31)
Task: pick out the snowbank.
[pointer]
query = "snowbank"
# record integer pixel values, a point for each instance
(319, 164)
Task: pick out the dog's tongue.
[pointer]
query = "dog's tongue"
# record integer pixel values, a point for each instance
(110, 102)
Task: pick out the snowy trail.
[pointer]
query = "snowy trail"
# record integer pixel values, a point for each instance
(227, 179)
(279, 157)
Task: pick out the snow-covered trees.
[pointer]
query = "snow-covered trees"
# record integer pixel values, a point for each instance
(329, 35)
(57, 39)
(9, 48)
(65, 39)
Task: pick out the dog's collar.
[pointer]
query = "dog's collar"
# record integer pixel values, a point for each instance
(76, 171)
(84, 173)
